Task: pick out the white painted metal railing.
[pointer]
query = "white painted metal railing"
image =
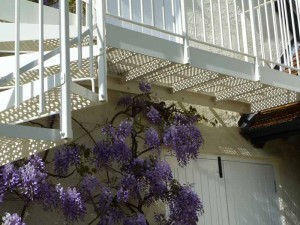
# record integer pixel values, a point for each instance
(91, 18)
(264, 32)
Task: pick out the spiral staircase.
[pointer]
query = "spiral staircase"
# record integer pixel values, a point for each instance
(44, 56)
(53, 62)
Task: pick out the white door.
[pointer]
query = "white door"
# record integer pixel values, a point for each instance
(251, 194)
(204, 175)
(243, 194)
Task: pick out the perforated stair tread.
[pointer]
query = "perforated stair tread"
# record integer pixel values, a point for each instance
(29, 109)
(12, 149)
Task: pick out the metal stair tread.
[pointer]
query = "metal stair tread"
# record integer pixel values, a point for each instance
(29, 109)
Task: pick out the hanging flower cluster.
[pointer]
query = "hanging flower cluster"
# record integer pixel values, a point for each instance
(124, 172)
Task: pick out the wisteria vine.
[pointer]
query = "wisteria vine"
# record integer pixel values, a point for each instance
(121, 176)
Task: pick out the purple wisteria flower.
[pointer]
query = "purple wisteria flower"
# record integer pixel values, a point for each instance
(158, 176)
(185, 141)
(1, 197)
(181, 119)
(120, 152)
(124, 130)
(89, 184)
(185, 207)
(145, 87)
(9, 177)
(132, 184)
(125, 101)
(12, 219)
(64, 158)
(122, 195)
(153, 115)
(109, 130)
(105, 152)
(101, 153)
(139, 219)
(111, 214)
(152, 138)
(48, 196)
(71, 203)
(32, 176)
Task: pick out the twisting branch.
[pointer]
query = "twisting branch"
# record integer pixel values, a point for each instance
(147, 150)
(97, 217)
(60, 176)
(26, 204)
(86, 130)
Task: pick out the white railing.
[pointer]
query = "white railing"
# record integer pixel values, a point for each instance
(264, 32)
(90, 19)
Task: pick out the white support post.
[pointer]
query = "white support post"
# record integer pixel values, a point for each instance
(255, 53)
(65, 114)
(17, 53)
(185, 35)
(102, 64)
(79, 31)
(41, 56)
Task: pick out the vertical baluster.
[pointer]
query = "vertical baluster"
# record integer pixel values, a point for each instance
(79, 31)
(142, 12)
(229, 25)
(185, 31)
(119, 8)
(288, 38)
(294, 36)
(275, 31)
(282, 32)
(65, 115)
(244, 31)
(86, 13)
(91, 38)
(194, 20)
(220, 23)
(237, 26)
(203, 21)
(298, 20)
(268, 31)
(255, 53)
(261, 34)
(212, 21)
(17, 53)
(164, 14)
(130, 10)
(173, 16)
(41, 56)
(153, 13)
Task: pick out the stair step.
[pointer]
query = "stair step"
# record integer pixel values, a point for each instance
(29, 64)
(12, 149)
(29, 109)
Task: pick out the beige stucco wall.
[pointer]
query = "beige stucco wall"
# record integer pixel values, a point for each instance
(222, 140)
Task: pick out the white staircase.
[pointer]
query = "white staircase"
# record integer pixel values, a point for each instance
(206, 52)
(45, 59)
